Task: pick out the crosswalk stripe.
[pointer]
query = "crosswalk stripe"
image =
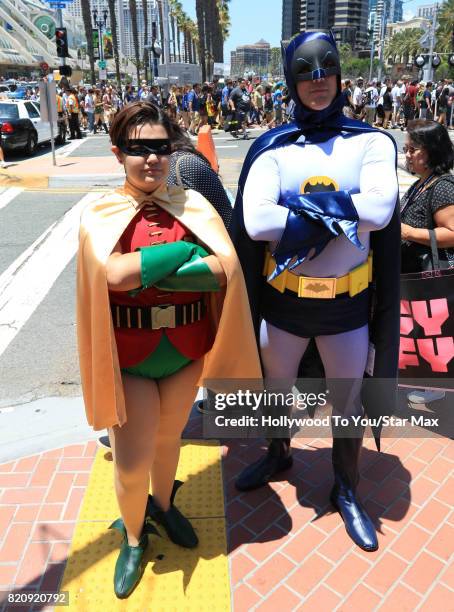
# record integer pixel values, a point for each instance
(26, 282)
(8, 196)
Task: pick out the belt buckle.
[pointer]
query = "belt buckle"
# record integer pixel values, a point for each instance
(163, 316)
(320, 288)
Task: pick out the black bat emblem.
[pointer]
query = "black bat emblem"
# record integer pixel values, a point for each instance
(318, 187)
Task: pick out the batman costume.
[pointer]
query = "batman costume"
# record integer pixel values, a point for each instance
(315, 199)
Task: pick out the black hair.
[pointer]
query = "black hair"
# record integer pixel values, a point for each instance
(433, 137)
(137, 114)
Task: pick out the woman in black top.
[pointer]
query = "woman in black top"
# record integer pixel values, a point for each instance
(443, 106)
(429, 203)
(387, 106)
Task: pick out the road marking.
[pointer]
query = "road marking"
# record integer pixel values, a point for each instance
(8, 196)
(70, 147)
(227, 147)
(27, 281)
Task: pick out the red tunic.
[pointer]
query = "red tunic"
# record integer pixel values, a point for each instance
(153, 225)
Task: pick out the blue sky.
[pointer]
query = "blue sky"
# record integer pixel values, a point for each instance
(255, 19)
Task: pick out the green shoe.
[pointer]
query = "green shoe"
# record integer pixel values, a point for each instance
(177, 527)
(130, 564)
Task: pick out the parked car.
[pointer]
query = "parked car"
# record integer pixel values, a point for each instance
(22, 127)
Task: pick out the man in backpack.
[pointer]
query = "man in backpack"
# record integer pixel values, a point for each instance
(358, 98)
(370, 106)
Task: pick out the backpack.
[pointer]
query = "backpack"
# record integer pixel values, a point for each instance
(366, 98)
(268, 106)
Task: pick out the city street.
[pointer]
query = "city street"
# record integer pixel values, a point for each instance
(285, 544)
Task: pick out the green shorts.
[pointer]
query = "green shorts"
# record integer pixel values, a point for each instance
(164, 361)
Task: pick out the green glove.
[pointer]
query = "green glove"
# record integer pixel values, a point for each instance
(161, 260)
(194, 275)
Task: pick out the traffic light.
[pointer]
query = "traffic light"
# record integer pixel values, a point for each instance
(65, 70)
(61, 39)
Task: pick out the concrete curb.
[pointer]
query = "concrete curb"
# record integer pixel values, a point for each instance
(39, 181)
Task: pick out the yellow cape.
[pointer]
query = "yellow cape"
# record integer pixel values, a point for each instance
(234, 353)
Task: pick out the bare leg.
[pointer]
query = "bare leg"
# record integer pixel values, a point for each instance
(177, 393)
(133, 447)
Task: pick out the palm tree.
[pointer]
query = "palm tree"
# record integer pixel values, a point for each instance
(145, 38)
(86, 16)
(173, 17)
(161, 32)
(135, 37)
(200, 6)
(445, 27)
(113, 27)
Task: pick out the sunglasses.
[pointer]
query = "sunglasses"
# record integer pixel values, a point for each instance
(143, 147)
(410, 150)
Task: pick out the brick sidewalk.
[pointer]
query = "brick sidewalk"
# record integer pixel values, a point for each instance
(280, 557)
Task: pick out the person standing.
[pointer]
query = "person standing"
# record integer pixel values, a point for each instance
(281, 216)
(395, 94)
(150, 330)
(193, 106)
(277, 105)
(240, 103)
(426, 103)
(90, 110)
(371, 103)
(73, 111)
(358, 98)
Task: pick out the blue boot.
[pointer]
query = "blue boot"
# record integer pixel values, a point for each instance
(346, 452)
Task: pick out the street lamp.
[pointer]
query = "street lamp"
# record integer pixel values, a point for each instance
(100, 24)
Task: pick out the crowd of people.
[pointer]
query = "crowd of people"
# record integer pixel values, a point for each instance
(232, 105)
(393, 103)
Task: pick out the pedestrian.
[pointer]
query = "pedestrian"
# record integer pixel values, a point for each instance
(99, 112)
(443, 106)
(348, 108)
(90, 109)
(268, 107)
(396, 97)
(203, 111)
(298, 187)
(277, 105)
(358, 101)
(371, 103)
(73, 109)
(240, 104)
(185, 107)
(140, 372)
(225, 95)
(426, 103)
(257, 103)
(428, 204)
(193, 106)
(387, 106)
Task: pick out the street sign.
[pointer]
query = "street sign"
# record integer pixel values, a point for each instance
(57, 5)
(102, 64)
(44, 66)
(102, 74)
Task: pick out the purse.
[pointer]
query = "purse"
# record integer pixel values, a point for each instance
(426, 351)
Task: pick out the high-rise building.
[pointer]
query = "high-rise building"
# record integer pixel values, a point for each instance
(291, 18)
(427, 10)
(379, 18)
(248, 58)
(346, 18)
(348, 21)
(314, 15)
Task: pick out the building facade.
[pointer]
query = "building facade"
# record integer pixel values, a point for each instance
(314, 15)
(427, 11)
(291, 18)
(251, 58)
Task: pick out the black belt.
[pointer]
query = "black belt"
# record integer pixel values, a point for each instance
(155, 317)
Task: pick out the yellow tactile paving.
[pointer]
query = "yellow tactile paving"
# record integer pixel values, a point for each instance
(175, 579)
(199, 468)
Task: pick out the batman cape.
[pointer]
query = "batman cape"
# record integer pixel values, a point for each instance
(384, 316)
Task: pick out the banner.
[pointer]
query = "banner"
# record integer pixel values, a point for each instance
(107, 44)
(95, 39)
(427, 329)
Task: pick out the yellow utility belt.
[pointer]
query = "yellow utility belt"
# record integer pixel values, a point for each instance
(354, 282)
